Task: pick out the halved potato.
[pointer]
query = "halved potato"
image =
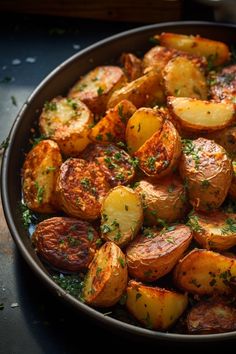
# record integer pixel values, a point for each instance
(223, 85)
(201, 116)
(39, 176)
(156, 308)
(160, 154)
(122, 215)
(205, 272)
(67, 122)
(153, 254)
(214, 230)
(141, 126)
(80, 188)
(107, 277)
(111, 128)
(96, 87)
(132, 66)
(182, 78)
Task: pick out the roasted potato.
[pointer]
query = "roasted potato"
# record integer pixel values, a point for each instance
(67, 122)
(207, 171)
(153, 254)
(223, 85)
(215, 230)
(156, 308)
(111, 128)
(232, 189)
(201, 116)
(107, 277)
(132, 66)
(39, 176)
(163, 200)
(160, 154)
(66, 243)
(122, 215)
(141, 126)
(96, 87)
(205, 272)
(80, 188)
(226, 138)
(212, 316)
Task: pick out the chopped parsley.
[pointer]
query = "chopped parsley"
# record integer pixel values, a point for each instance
(134, 161)
(27, 215)
(121, 261)
(100, 91)
(105, 228)
(99, 137)
(1, 306)
(4, 144)
(98, 271)
(70, 283)
(205, 183)
(50, 106)
(37, 140)
(14, 101)
(72, 104)
(40, 192)
(121, 114)
(151, 162)
(190, 149)
(85, 183)
(90, 234)
(148, 232)
(193, 223)
(230, 226)
(73, 241)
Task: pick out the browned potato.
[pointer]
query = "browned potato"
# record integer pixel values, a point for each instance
(163, 200)
(232, 189)
(226, 138)
(96, 87)
(66, 121)
(132, 66)
(215, 230)
(211, 317)
(116, 164)
(207, 171)
(39, 176)
(156, 308)
(205, 272)
(122, 215)
(66, 243)
(145, 91)
(160, 154)
(81, 186)
(107, 277)
(153, 254)
(223, 85)
(111, 128)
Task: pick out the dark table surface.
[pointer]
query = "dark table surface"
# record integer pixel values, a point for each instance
(32, 320)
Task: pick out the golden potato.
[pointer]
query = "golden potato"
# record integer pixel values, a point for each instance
(67, 122)
(232, 189)
(132, 66)
(80, 188)
(207, 171)
(226, 138)
(205, 272)
(153, 254)
(160, 154)
(107, 277)
(223, 84)
(156, 308)
(96, 87)
(39, 176)
(122, 215)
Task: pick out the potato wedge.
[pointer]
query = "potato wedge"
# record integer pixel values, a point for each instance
(132, 66)
(39, 175)
(111, 128)
(201, 116)
(153, 254)
(215, 230)
(80, 188)
(163, 200)
(211, 317)
(207, 171)
(215, 52)
(67, 122)
(145, 91)
(107, 277)
(96, 87)
(160, 154)
(223, 85)
(226, 138)
(205, 272)
(156, 308)
(66, 243)
(122, 215)
(141, 126)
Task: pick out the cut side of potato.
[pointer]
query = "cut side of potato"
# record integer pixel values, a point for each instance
(153, 254)
(200, 116)
(107, 277)
(122, 215)
(205, 272)
(141, 126)
(156, 308)
(39, 176)
(132, 66)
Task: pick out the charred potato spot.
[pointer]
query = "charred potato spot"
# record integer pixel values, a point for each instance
(132, 66)
(66, 243)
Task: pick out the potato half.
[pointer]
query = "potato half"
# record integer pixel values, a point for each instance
(156, 308)
(107, 277)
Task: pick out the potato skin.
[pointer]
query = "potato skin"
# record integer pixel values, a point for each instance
(132, 66)
(39, 175)
(151, 256)
(232, 189)
(224, 84)
(226, 138)
(66, 243)
(107, 277)
(80, 188)
(207, 171)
